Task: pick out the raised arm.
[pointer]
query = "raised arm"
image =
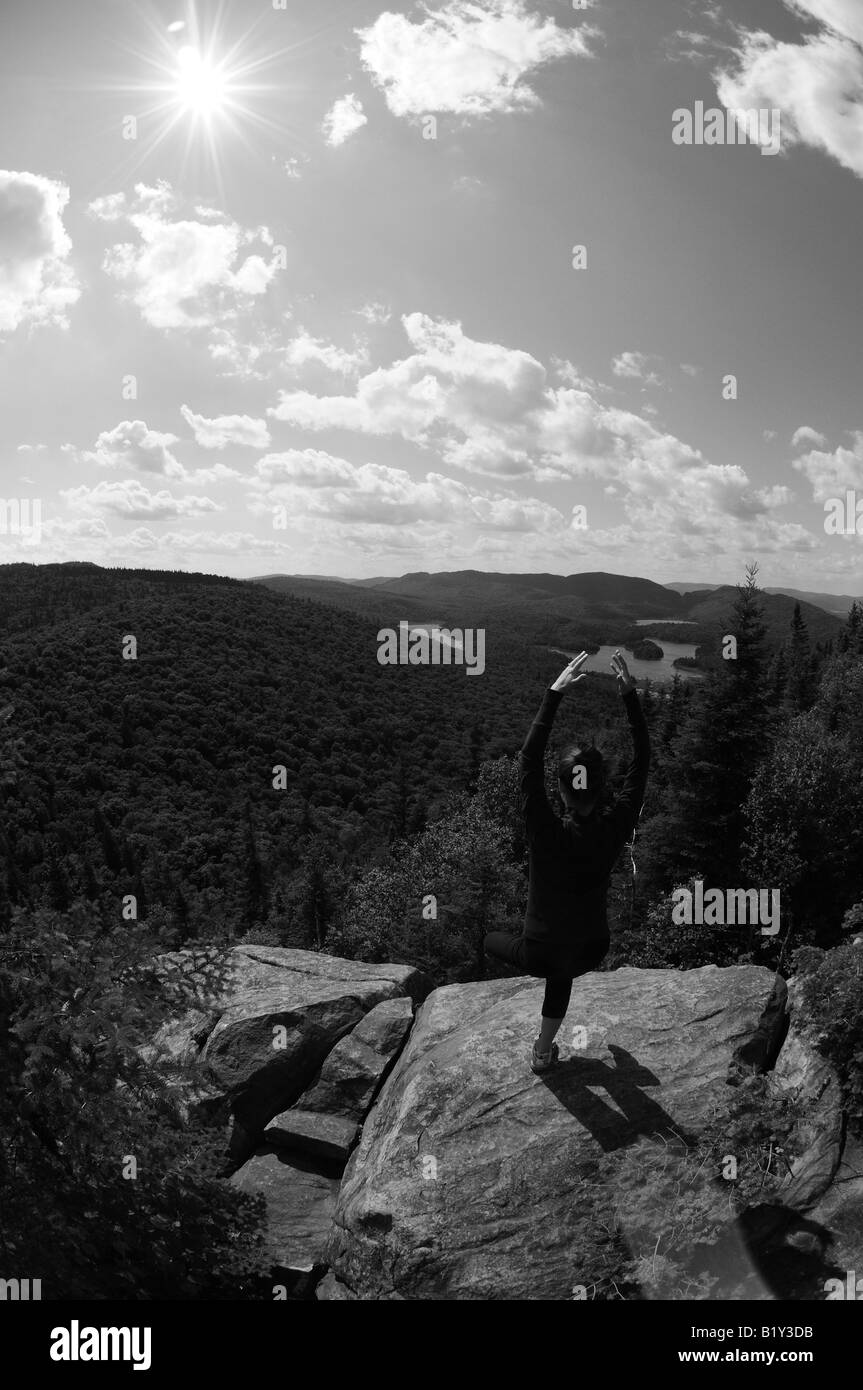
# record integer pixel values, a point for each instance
(540, 820)
(629, 800)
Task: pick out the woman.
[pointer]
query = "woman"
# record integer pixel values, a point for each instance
(566, 925)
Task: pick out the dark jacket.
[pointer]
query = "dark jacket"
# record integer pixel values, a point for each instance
(571, 859)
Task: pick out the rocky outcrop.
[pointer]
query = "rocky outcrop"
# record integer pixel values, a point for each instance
(475, 1179)
(281, 1012)
(325, 1120)
(420, 1158)
(289, 1022)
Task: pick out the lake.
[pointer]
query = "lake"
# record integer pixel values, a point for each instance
(642, 670)
(659, 671)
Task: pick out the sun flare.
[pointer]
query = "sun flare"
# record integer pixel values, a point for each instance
(202, 87)
(212, 87)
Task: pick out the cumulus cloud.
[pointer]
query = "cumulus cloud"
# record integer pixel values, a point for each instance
(832, 473)
(217, 433)
(464, 57)
(304, 348)
(248, 361)
(184, 272)
(315, 483)
(130, 499)
(131, 444)
(344, 118)
(806, 435)
(37, 283)
(843, 16)
(490, 409)
(816, 84)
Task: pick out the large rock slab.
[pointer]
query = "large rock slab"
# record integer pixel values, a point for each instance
(300, 1205)
(280, 1013)
(476, 1179)
(320, 1136)
(347, 1081)
(353, 1070)
(386, 1026)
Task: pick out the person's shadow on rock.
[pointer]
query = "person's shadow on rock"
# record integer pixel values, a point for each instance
(633, 1113)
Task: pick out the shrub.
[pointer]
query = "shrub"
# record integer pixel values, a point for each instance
(107, 1192)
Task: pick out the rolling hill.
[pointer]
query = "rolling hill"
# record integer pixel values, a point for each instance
(563, 610)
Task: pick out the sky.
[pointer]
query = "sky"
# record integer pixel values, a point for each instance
(298, 286)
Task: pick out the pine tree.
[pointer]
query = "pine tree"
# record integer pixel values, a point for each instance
(851, 637)
(799, 690)
(315, 906)
(718, 751)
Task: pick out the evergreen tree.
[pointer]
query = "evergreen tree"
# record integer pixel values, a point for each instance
(851, 637)
(718, 751)
(316, 907)
(799, 691)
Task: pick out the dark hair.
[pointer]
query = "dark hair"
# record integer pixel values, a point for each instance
(589, 758)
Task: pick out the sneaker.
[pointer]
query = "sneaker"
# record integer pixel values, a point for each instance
(543, 1061)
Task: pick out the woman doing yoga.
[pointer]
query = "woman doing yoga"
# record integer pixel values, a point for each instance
(566, 925)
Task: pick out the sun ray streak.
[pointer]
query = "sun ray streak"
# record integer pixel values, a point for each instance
(216, 89)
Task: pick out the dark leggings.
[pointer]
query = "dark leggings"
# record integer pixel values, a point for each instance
(557, 965)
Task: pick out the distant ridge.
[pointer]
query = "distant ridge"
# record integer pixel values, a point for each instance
(591, 607)
(838, 604)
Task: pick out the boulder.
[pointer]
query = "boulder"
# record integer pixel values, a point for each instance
(280, 1013)
(353, 1070)
(476, 1179)
(323, 1136)
(300, 1205)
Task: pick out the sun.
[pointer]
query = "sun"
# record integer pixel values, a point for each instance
(202, 86)
(210, 85)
